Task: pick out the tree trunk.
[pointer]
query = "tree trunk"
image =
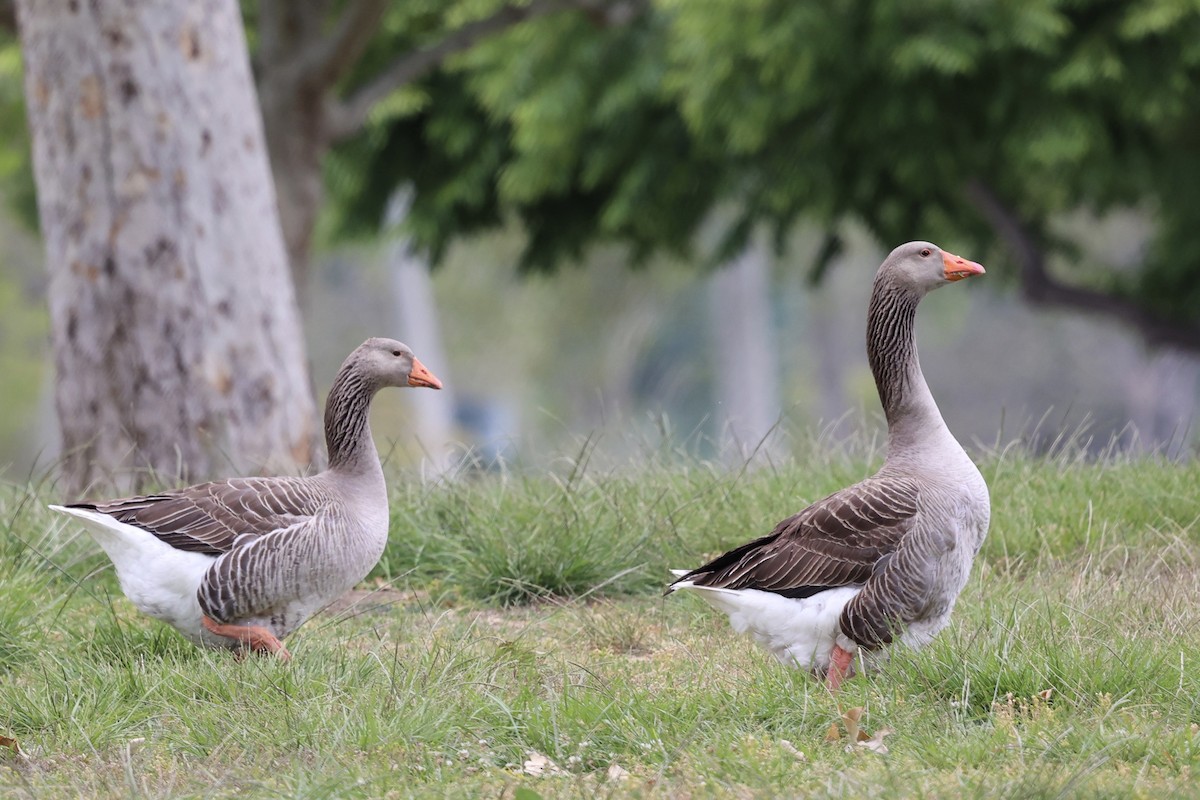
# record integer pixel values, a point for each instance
(296, 165)
(746, 358)
(417, 324)
(1161, 392)
(176, 336)
(821, 330)
(293, 101)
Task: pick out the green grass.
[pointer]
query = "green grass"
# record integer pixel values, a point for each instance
(514, 616)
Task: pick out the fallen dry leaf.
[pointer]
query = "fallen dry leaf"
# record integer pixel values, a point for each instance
(875, 743)
(788, 747)
(617, 773)
(14, 745)
(539, 765)
(852, 722)
(851, 718)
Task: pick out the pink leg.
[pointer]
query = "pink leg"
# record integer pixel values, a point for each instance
(254, 637)
(841, 666)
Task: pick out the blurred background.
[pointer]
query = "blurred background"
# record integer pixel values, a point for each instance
(652, 225)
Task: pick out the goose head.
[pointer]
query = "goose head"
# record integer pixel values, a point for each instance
(923, 267)
(386, 362)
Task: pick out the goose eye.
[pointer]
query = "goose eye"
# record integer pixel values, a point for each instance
(397, 353)
(926, 253)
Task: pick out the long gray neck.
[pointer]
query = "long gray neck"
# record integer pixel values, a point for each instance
(892, 350)
(347, 431)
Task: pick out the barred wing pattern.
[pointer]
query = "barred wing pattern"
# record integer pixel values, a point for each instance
(214, 518)
(266, 575)
(846, 539)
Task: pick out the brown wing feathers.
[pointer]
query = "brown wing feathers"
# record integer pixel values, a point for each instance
(834, 542)
(212, 518)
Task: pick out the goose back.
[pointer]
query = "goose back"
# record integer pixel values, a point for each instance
(837, 541)
(214, 517)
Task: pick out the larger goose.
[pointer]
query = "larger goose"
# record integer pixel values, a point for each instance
(241, 563)
(887, 557)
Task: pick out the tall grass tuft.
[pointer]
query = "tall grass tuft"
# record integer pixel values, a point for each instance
(512, 538)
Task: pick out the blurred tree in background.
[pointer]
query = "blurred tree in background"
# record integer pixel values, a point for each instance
(627, 121)
(328, 70)
(943, 119)
(147, 172)
(684, 127)
(23, 317)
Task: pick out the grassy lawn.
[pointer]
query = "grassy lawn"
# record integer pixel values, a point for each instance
(514, 644)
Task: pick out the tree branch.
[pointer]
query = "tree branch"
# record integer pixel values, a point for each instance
(333, 56)
(8, 17)
(1040, 288)
(347, 117)
(286, 30)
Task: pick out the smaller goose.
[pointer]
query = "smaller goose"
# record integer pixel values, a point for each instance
(888, 556)
(241, 563)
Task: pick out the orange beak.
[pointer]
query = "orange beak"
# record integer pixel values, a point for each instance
(958, 267)
(420, 376)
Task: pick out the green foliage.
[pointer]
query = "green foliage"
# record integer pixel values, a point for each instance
(561, 124)
(769, 112)
(772, 111)
(23, 329)
(16, 165)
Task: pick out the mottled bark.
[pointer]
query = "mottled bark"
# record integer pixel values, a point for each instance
(176, 335)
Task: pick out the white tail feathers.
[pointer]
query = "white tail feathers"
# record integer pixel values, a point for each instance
(798, 632)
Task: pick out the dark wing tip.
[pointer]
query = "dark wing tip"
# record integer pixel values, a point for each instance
(684, 577)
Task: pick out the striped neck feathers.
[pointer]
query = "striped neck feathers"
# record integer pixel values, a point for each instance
(892, 352)
(347, 431)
